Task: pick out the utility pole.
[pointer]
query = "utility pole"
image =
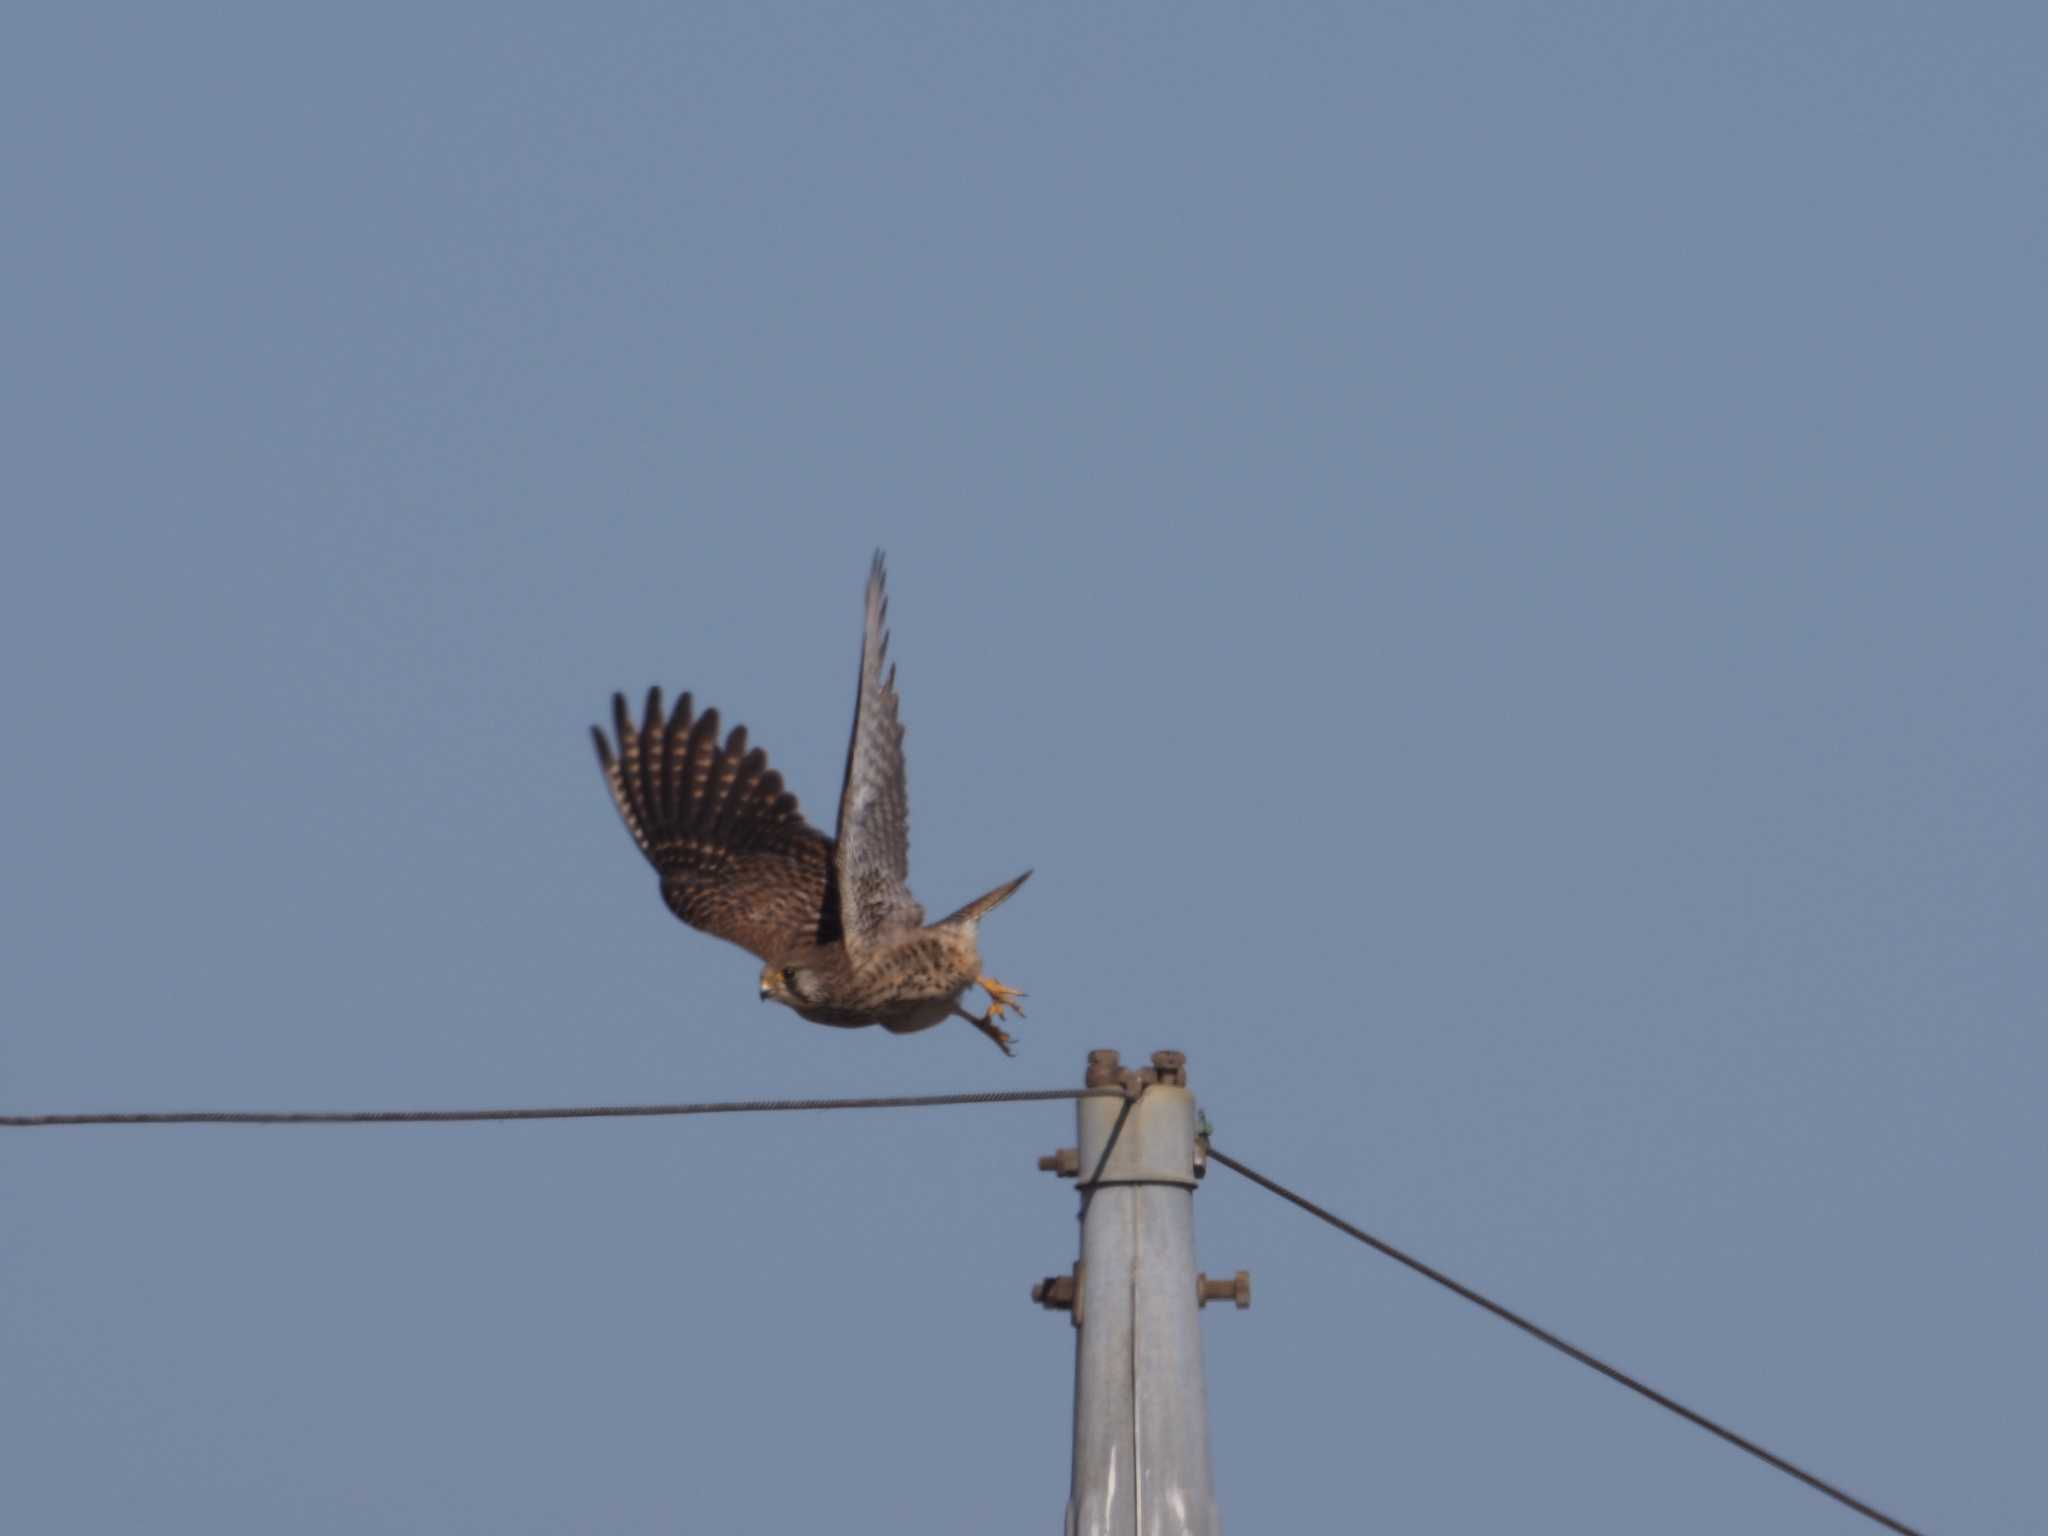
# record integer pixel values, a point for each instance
(1141, 1407)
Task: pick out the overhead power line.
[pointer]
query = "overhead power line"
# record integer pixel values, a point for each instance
(937, 1100)
(572, 1112)
(1580, 1355)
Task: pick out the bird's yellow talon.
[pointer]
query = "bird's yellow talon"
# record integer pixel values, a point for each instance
(1001, 999)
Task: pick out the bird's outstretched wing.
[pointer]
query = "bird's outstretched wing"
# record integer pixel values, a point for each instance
(735, 855)
(874, 808)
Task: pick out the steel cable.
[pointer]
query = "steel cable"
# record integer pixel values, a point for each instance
(572, 1112)
(1578, 1354)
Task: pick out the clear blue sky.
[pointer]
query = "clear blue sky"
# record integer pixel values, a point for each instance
(1493, 558)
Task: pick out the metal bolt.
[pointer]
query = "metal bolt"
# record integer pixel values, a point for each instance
(1105, 1069)
(1060, 1293)
(1237, 1289)
(1066, 1163)
(1055, 1292)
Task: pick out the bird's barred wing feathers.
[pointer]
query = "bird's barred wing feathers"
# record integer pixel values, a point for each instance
(874, 810)
(735, 855)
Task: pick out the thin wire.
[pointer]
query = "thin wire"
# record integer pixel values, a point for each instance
(1109, 1142)
(1573, 1350)
(1093, 1181)
(574, 1112)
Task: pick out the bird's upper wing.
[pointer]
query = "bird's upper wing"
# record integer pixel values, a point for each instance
(735, 855)
(874, 810)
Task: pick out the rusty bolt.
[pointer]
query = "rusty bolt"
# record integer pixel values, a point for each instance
(1060, 1293)
(1237, 1289)
(1055, 1293)
(1105, 1069)
(1171, 1067)
(1066, 1163)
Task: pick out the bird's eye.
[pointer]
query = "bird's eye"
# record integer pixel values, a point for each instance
(789, 977)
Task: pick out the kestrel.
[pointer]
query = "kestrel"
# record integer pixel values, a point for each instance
(844, 941)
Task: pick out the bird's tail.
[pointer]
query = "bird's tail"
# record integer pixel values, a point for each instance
(981, 906)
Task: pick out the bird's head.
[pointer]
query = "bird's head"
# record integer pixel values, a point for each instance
(793, 986)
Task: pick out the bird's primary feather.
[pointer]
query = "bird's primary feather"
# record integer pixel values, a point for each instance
(735, 855)
(874, 801)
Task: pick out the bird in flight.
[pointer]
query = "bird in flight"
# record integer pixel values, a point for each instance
(843, 940)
